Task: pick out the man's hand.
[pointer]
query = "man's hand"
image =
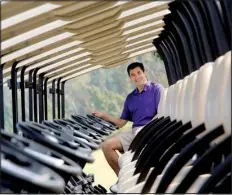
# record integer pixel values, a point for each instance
(117, 121)
(99, 114)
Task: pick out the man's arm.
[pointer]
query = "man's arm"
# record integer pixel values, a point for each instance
(117, 121)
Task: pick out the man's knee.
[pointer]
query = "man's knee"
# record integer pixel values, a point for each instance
(106, 145)
(112, 144)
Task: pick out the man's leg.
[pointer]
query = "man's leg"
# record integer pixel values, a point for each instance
(109, 148)
(121, 143)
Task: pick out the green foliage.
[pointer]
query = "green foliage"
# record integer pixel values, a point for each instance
(103, 89)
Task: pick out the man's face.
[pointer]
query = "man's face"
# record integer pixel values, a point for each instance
(138, 77)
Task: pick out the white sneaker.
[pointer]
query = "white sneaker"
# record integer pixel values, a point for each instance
(114, 188)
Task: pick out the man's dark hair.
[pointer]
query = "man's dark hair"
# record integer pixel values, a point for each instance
(135, 65)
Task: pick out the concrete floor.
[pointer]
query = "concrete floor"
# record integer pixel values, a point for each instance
(103, 174)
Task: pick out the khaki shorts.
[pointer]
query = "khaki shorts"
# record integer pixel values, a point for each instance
(127, 137)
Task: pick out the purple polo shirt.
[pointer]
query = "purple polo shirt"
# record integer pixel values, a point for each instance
(140, 108)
